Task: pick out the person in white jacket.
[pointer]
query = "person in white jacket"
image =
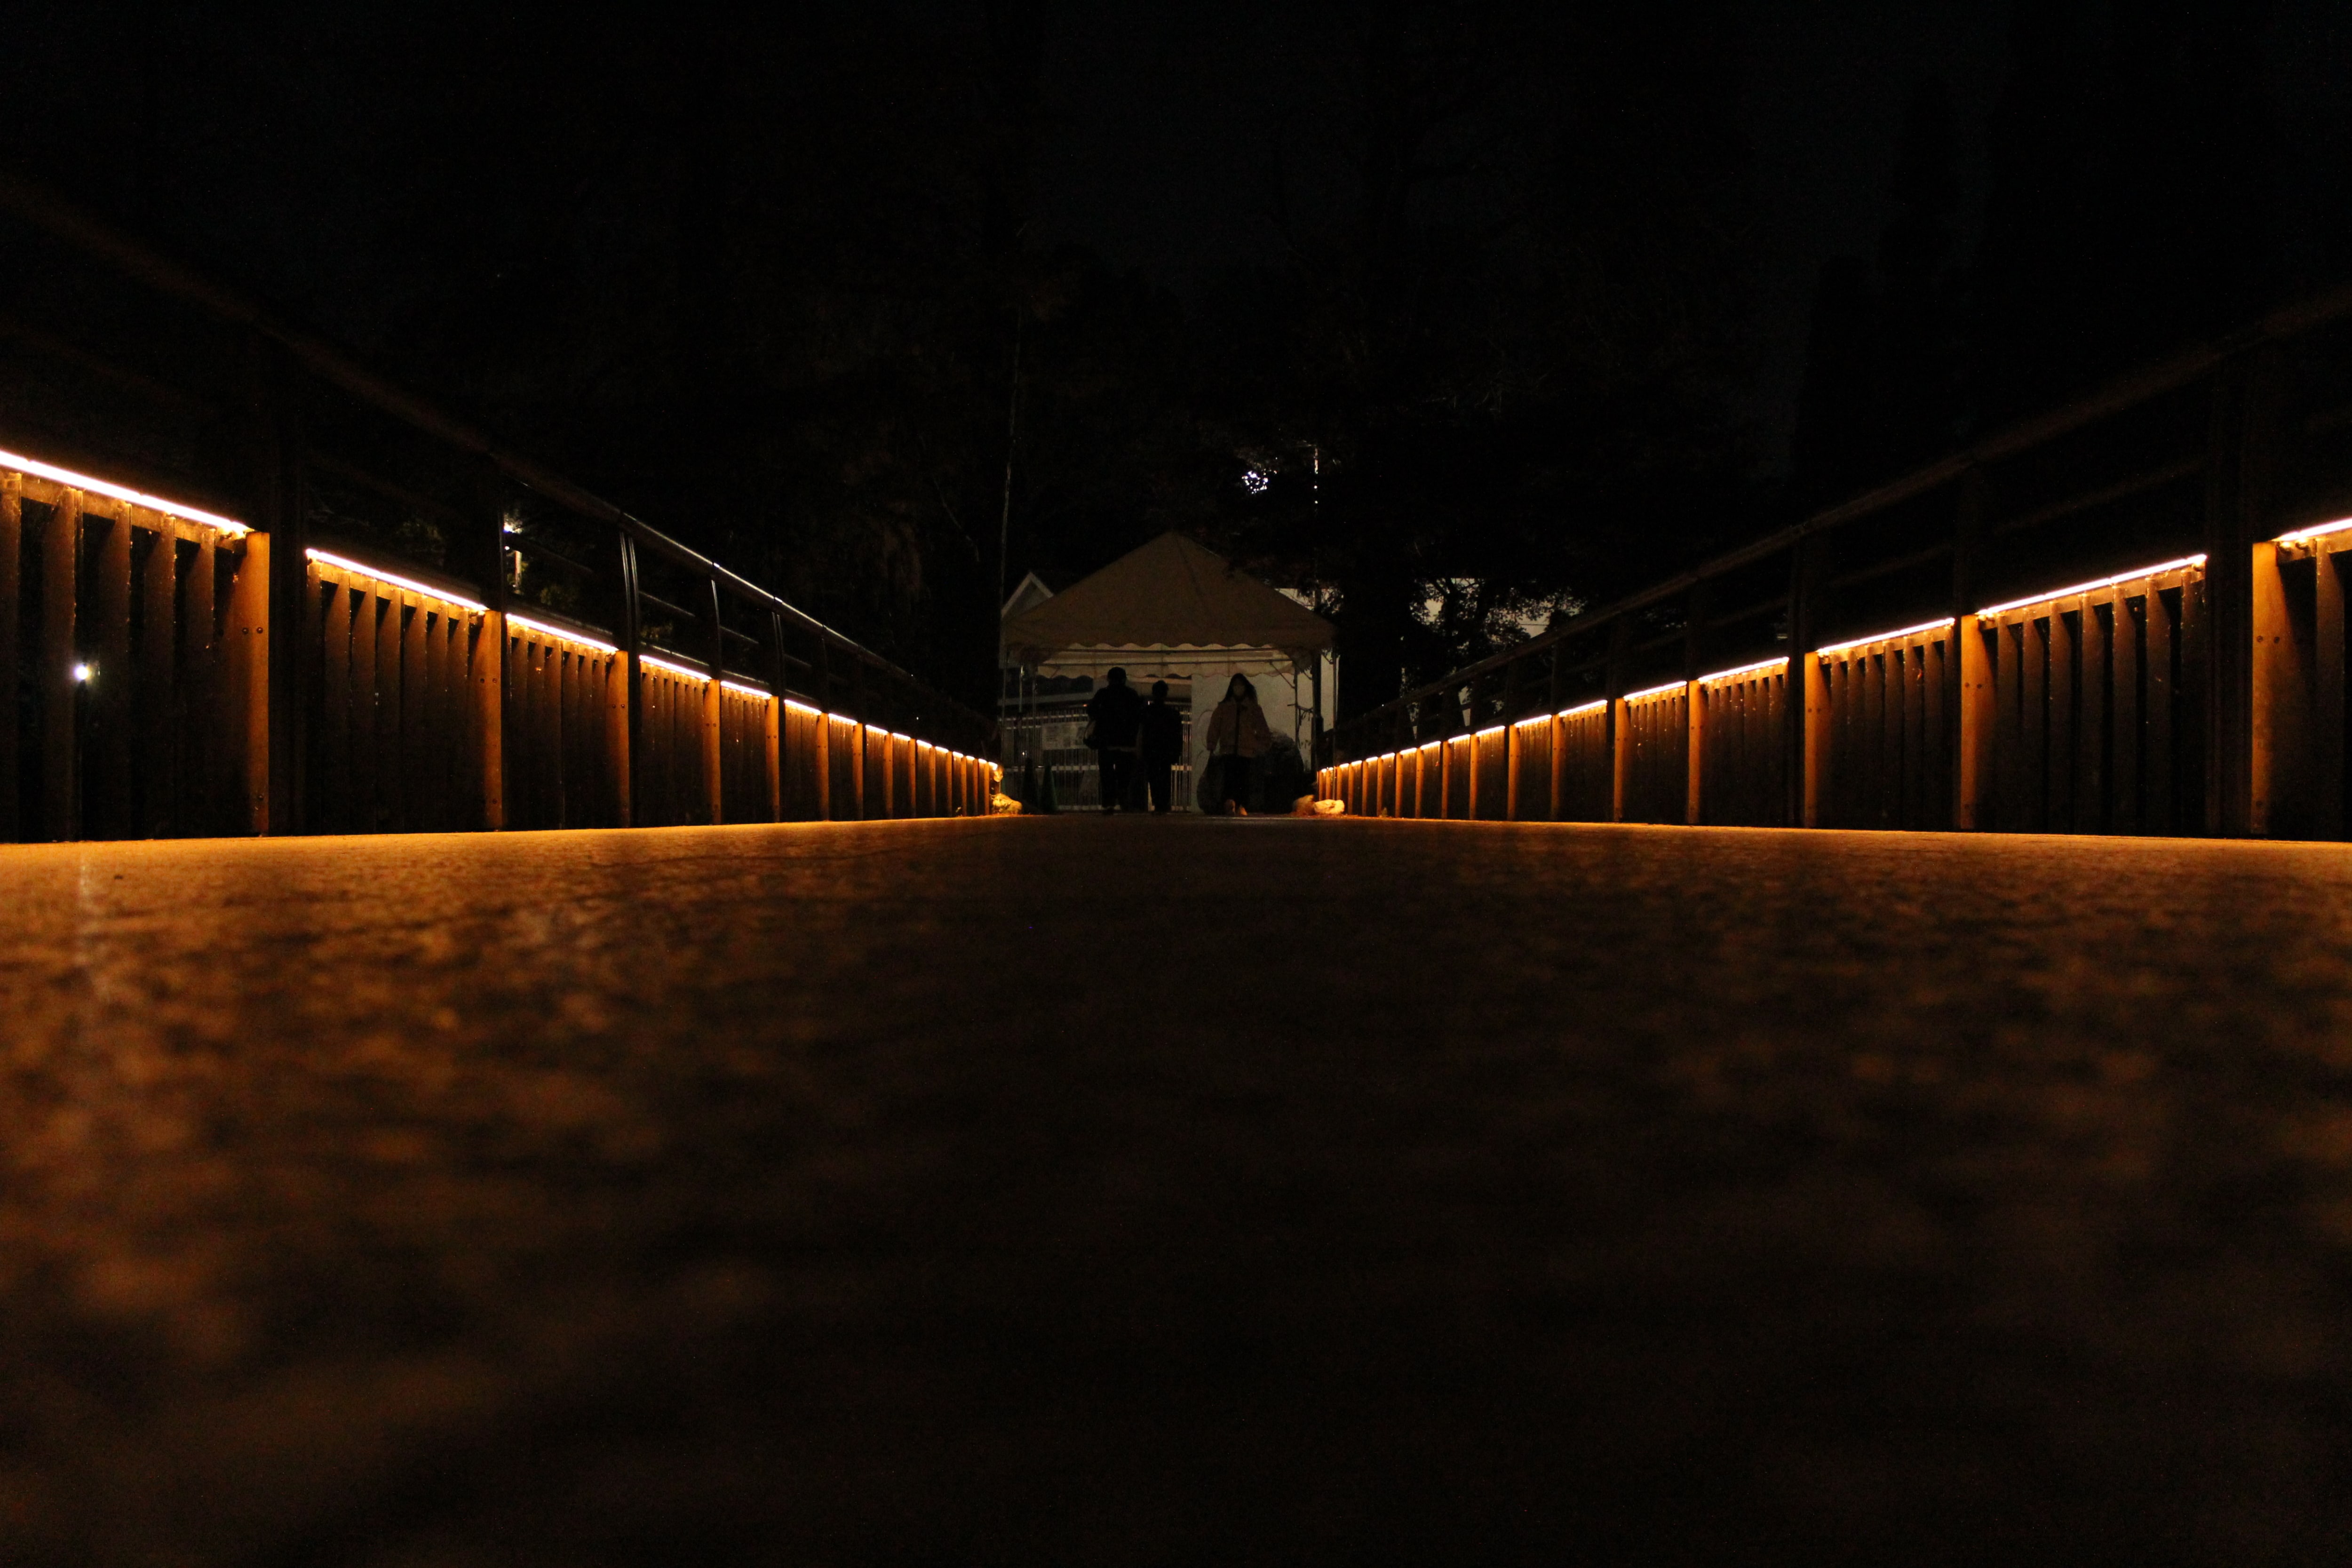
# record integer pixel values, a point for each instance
(1238, 736)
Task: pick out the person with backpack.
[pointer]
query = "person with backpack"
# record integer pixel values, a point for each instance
(1238, 736)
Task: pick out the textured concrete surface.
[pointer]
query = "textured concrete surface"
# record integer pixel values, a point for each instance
(1136, 1191)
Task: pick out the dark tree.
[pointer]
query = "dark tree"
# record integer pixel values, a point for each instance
(1491, 379)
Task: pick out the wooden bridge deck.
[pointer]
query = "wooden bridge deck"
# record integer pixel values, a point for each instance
(1158, 1191)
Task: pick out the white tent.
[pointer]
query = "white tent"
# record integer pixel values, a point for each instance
(1176, 611)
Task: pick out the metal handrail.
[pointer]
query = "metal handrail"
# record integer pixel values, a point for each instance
(2123, 393)
(76, 226)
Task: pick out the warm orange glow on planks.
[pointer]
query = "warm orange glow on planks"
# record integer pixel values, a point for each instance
(1782, 663)
(678, 670)
(360, 569)
(25, 465)
(1944, 624)
(2301, 534)
(2118, 579)
(559, 633)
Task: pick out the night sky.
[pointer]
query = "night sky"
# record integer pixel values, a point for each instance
(1157, 118)
(760, 272)
(1160, 118)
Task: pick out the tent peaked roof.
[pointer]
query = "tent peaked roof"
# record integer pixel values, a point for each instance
(1170, 592)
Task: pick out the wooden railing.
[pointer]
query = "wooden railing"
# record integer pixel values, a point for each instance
(2125, 618)
(250, 586)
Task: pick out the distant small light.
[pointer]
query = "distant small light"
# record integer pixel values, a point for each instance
(1256, 481)
(82, 672)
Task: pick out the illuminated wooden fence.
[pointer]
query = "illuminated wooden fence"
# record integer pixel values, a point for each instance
(247, 585)
(145, 713)
(2127, 616)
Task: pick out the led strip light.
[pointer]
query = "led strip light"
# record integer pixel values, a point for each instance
(1761, 664)
(559, 634)
(1944, 624)
(120, 492)
(678, 670)
(2301, 535)
(360, 569)
(2120, 577)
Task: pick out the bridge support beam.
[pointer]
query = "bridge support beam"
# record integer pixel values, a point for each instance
(2236, 482)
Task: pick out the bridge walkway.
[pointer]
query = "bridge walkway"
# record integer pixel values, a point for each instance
(1141, 1190)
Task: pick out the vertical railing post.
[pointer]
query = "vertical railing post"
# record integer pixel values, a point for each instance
(11, 523)
(2328, 714)
(1619, 741)
(779, 680)
(161, 777)
(248, 659)
(111, 687)
(1694, 754)
(1696, 609)
(714, 713)
(633, 685)
(280, 510)
(488, 670)
(60, 693)
(1968, 672)
(2237, 461)
(2279, 741)
(1799, 717)
(1813, 755)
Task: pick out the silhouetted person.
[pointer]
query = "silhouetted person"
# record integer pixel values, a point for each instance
(1162, 744)
(1117, 715)
(1237, 738)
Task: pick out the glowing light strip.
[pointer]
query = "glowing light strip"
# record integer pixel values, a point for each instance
(120, 492)
(1656, 691)
(2119, 577)
(804, 708)
(742, 689)
(2300, 534)
(1489, 729)
(674, 668)
(1889, 637)
(1539, 718)
(1595, 706)
(1779, 663)
(558, 633)
(326, 558)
